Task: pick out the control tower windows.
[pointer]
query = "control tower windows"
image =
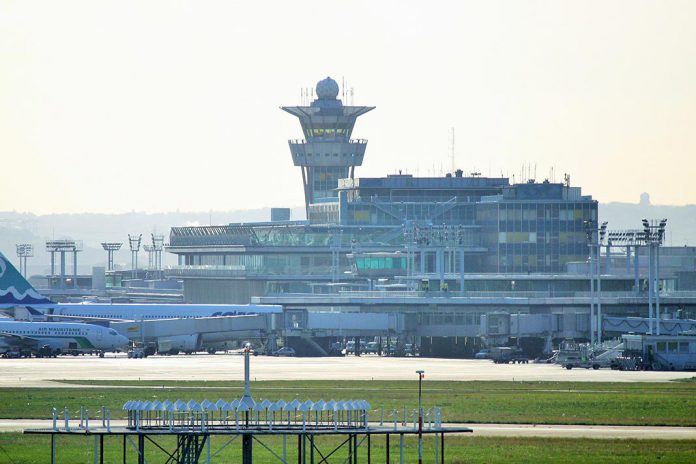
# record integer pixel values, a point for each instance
(328, 132)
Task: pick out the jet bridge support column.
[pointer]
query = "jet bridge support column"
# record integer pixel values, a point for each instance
(74, 269)
(62, 269)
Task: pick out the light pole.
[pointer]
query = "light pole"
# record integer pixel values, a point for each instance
(602, 234)
(595, 237)
(134, 243)
(420, 416)
(24, 251)
(653, 233)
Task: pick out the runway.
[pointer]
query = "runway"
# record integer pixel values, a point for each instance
(484, 430)
(43, 372)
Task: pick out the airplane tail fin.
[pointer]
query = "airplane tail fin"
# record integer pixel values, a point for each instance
(15, 290)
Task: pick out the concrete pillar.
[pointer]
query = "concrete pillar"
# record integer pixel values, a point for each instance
(628, 259)
(440, 265)
(74, 269)
(462, 287)
(62, 269)
(636, 277)
(650, 289)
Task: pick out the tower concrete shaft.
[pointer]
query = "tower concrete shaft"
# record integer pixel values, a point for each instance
(327, 153)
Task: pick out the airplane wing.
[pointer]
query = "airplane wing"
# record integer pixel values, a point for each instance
(20, 341)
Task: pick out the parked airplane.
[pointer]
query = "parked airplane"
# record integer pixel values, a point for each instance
(24, 302)
(52, 338)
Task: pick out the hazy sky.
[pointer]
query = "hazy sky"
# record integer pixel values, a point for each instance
(164, 105)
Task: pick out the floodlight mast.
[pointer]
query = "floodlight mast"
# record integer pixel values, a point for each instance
(110, 248)
(653, 234)
(24, 251)
(63, 246)
(157, 247)
(134, 244)
(595, 238)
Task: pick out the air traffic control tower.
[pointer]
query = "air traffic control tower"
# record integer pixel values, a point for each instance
(327, 152)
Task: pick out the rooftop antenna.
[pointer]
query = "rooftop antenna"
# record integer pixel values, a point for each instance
(566, 179)
(451, 149)
(352, 95)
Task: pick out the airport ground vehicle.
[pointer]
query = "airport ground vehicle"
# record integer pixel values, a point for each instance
(483, 354)
(284, 351)
(507, 355)
(12, 354)
(137, 353)
(371, 348)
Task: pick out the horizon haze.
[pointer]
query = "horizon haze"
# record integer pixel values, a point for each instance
(112, 106)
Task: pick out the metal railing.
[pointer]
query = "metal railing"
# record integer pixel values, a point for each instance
(481, 294)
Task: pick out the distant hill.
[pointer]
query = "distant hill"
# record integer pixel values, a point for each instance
(93, 229)
(681, 220)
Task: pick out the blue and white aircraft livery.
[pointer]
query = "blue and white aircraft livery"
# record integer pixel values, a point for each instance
(21, 300)
(16, 291)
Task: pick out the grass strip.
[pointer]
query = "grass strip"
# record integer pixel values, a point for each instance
(477, 402)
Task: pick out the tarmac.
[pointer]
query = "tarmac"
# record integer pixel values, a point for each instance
(44, 372)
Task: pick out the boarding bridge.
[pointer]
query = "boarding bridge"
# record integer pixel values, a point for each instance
(195, 334)
(342, 324)
(249, 325)
(639, 325)
(499, 328)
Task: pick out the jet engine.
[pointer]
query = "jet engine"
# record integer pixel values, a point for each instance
(177, 343)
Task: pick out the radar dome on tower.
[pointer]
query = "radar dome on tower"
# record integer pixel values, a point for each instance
(327, 89)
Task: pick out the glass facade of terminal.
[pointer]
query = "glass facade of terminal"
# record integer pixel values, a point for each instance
(500, 228)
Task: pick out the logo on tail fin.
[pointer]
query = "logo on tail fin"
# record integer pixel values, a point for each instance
(14, 289)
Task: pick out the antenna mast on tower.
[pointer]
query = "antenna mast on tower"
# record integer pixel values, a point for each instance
(451, 150)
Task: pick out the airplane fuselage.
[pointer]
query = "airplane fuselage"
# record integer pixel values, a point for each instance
(60, 336)
(138, 312)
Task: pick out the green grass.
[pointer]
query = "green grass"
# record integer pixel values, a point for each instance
(667, 403)
(29, 449)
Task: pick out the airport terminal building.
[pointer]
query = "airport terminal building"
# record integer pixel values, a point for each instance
(440, 251)
(497, 226)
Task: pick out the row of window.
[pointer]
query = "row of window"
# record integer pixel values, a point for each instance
(672, 347)
(341, 132)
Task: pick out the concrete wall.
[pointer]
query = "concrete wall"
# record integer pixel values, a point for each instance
(209, 291)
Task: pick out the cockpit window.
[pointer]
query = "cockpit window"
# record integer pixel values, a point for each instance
(112, 332)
